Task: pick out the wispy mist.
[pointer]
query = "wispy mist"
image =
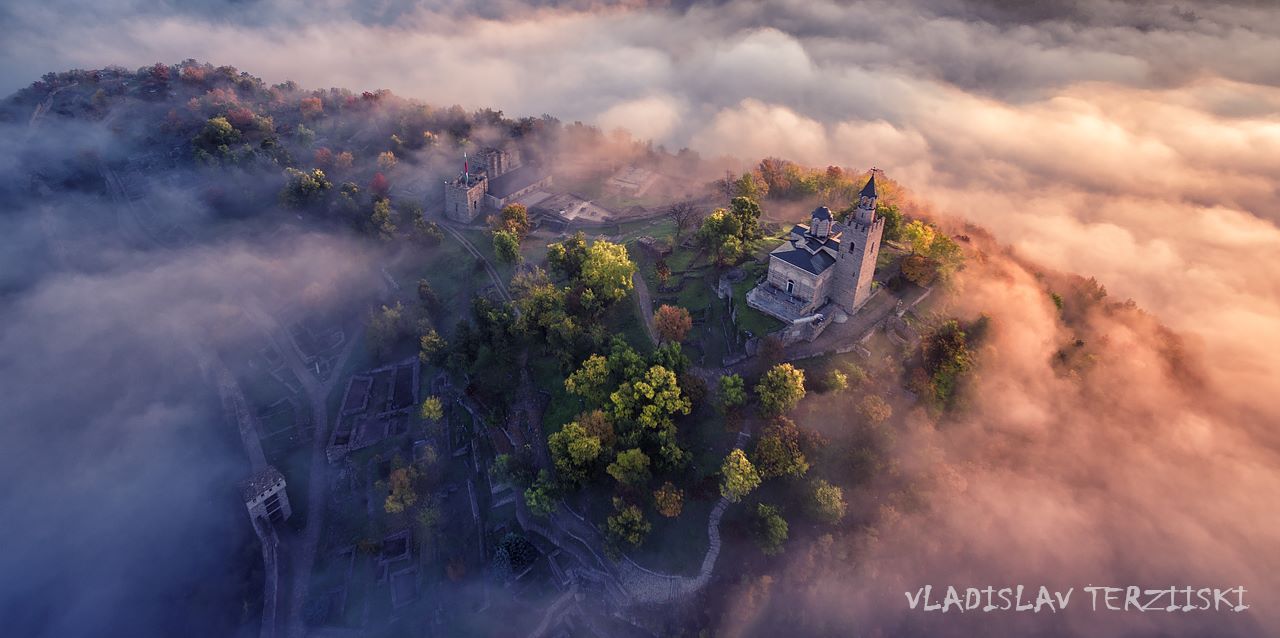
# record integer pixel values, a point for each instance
(1137, 142)
(120, 513)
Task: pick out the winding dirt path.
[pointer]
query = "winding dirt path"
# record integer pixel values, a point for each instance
(649, 587)
(471, 248)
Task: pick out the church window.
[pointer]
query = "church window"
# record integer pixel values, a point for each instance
(791, 286)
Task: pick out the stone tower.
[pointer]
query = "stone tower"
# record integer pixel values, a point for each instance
(265, 496)
(859, 247)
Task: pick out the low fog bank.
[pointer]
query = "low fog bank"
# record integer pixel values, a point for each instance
(123, 516)
(1090, 447)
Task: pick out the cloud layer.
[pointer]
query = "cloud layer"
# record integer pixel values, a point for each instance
(1134, 141)
(1138, 142)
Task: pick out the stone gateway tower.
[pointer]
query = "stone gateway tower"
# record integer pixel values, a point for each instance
(859, 247)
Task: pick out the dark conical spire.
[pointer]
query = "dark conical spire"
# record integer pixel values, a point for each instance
(870, 189)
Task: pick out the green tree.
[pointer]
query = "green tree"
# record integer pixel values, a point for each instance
(607, 270)
(590, 381)
(747, 212)
(946, 254)
(386, 327)
(781, 388)
(668, 500)
(304, 189)
(506, 245)
(346, 203)
(519, 550)
(671, 356)
(624, 361)
(946, 360)
(432, 409)
(893, 221)
(738, 476)
(381, 219)
(919, 236)
(427, 232)
(500, 469)
(574, 452)
(630, 467)
(826, 502)
(305, 136)
(751, 187)
(566, 258)
(721, 234)
(427, 295)
(544, 314)
(778, 451)
(728, 233)
(770, 529)
(540, 497)
(671, 456)
(733, 391)
(628, 525)
(837, 381)
(651, 400)
(217, 132)
(430, 347)
(856, 374)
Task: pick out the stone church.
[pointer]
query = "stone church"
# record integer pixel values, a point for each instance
(497, 179)
(824, 263)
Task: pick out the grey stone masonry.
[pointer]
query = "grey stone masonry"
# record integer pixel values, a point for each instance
(265, 496)
(859, 248)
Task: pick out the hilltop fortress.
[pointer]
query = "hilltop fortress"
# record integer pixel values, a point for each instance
(497, 179)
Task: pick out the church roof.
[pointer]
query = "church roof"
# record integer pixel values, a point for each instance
(516, 180)
(814, 244)
(870, 189)
(815, 263)
(800, 232)
(821, 212)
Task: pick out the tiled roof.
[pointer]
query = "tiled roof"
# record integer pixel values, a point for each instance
(821, 212)
(815, 263)
(814, 244)
(515, 181)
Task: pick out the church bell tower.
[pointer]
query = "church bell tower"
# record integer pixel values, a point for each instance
(859, 247)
